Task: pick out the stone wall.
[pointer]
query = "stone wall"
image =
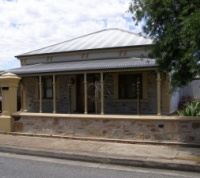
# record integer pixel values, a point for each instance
(185, 131)
(32, 90)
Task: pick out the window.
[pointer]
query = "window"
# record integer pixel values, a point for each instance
(127, 86)
(47, 89)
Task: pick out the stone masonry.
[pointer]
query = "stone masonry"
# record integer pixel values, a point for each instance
(124, 129)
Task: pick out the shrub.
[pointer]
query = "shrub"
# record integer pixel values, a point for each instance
(185, 100)
(191, 109)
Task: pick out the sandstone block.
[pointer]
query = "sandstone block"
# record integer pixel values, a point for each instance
(18, 127)
(171, 127)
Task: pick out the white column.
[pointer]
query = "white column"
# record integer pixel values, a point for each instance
(40, 92)
(54, 94)
(85, 93)
(158, 94)
(102, 94)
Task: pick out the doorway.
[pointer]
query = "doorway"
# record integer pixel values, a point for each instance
(80, 93)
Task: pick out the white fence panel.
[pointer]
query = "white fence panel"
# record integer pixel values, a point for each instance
(192, 89)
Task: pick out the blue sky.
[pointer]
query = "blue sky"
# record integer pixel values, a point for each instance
(26, 25)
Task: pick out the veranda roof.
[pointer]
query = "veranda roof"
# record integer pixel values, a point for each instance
(87, 65)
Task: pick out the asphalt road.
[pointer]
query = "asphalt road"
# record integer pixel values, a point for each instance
(20, 166)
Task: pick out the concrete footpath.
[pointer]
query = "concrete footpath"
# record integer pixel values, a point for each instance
(142, 155)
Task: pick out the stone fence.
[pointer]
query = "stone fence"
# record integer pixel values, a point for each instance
(135, 128)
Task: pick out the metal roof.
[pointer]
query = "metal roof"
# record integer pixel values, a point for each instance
(104, 39)
(88, 65)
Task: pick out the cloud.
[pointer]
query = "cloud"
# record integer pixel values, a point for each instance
(29, 25)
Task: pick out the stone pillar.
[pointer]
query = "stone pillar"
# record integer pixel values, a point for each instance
(85, 93)
(9, 83)
(102, 94)
(158, 94)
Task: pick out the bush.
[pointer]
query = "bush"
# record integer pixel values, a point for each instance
(191, 109)
(185, 100)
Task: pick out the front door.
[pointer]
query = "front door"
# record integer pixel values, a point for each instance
(80, 94)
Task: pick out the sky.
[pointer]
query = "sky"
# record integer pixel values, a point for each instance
(26, 25)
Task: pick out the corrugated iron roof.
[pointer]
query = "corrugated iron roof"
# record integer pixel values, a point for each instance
(104, 39)
(85, 65)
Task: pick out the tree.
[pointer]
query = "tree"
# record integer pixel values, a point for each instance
(174, 26)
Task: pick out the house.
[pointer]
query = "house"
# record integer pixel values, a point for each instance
(101, 85)
(117, 59)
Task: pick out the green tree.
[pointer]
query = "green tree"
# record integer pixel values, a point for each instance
(174, 26)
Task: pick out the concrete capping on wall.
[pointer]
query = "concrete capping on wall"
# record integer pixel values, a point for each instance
(106, 116)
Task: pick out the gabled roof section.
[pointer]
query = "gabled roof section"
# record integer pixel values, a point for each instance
(104, 39)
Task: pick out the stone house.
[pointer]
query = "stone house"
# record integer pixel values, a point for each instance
(100, 85)
(111, 61)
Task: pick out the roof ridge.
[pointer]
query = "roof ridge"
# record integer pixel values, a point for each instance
(131, 32)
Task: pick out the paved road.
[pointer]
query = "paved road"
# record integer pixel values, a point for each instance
(19, 166)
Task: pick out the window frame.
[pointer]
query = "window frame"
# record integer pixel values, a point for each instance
(45, 87)
(144, 91)
(126, 90)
